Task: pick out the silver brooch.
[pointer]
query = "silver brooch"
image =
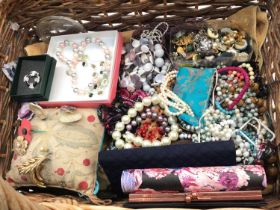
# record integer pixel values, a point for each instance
(32, 79)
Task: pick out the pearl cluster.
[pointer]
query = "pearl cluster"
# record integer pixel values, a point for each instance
(100, 78)
(243, 151)
(126, 139)
(175, 101)
(218, 126)
(191, 131)
(225, 124)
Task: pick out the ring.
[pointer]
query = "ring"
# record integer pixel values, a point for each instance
(33, 76)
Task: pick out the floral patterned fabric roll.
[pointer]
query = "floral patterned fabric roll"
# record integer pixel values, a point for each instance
(201, 179)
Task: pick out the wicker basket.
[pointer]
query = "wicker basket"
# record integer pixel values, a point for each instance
(123, 15)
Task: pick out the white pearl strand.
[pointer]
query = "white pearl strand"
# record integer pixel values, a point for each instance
(157, 33)
(127, 140)
(175, 101)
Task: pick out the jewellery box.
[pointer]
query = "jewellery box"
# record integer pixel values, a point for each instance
(87, 68)
(33, 78)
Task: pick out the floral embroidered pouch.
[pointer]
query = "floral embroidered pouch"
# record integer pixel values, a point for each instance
(57, 148)
(194, 87)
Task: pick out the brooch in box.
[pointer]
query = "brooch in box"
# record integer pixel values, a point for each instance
(33, 78)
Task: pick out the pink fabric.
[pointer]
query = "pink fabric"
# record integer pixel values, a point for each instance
(200, 179)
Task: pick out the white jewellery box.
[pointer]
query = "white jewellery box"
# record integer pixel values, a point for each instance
(87, 69)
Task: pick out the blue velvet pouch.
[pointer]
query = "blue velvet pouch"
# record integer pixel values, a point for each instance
(194, 87)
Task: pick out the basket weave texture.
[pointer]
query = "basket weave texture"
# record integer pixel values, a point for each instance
(122, 15)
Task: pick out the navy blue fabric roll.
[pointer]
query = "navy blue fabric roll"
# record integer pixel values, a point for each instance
(220, 153)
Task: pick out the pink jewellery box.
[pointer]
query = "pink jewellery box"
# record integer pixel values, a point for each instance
(87, 69)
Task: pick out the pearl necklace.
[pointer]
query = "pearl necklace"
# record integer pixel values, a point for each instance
(175, 101)
(99, 79)
(127, 140)
(218, 126)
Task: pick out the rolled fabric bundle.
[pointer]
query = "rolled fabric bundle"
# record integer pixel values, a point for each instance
(191, 179)
(114, 162)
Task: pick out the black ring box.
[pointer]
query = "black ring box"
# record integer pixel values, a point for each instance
(45, 66)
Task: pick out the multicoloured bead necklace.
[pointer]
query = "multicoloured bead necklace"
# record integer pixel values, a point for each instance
(151, 124)
(100, 76)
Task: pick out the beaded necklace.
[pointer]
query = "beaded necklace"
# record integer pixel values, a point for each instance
(100, 76)
(155, 127)
(245, 87)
